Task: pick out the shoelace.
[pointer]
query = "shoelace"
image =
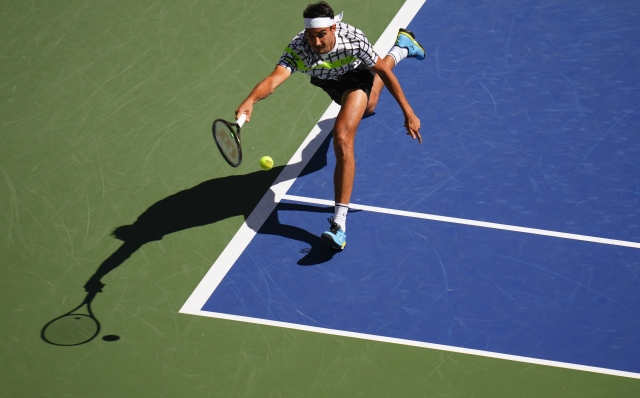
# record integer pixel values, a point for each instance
(334, 228)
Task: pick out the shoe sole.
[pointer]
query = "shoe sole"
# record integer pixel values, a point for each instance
(328, 240)
(412, 37)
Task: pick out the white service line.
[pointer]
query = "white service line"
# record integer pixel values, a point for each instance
(482, 224)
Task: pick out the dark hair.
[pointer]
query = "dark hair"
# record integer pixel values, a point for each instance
(318, 10)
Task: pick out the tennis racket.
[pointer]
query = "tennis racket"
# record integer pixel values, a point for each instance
(76, 327)
(227, 137)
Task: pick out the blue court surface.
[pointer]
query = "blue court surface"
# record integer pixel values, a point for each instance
(530, 118)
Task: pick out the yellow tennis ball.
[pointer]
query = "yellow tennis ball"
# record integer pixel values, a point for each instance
(266, 163)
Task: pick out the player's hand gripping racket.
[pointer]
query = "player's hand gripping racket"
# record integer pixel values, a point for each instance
(76, 327)
(227, 136)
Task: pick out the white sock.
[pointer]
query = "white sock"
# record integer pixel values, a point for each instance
(340, 216)
(398, 53)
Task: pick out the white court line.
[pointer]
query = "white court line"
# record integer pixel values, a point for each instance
(413, 343)
(474, 223)
(278, 191)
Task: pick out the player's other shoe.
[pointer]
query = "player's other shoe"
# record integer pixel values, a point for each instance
(334, 237)
(407, 39)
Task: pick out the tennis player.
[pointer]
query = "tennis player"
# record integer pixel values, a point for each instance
(342, 62)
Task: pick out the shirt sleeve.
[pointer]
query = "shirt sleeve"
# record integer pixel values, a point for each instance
(366, 53)
(290, 59)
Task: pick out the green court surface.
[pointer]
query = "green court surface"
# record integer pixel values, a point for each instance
(106, 109)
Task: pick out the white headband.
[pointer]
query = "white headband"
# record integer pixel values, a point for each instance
(323, 22)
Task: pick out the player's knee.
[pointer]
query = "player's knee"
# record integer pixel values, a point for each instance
(345, 128)
(342, 142)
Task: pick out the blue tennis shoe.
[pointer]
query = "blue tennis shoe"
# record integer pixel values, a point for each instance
(335, 237)
(407, 39)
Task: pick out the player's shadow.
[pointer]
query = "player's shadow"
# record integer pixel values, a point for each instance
(219, 199)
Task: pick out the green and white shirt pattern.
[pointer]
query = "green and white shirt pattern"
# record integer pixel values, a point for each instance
(351, 50)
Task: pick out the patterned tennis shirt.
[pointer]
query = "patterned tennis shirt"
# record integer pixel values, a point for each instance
(351, 50)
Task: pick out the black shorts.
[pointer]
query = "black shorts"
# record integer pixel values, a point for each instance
(357, 79)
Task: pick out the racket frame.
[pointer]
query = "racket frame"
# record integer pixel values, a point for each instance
(235, 128)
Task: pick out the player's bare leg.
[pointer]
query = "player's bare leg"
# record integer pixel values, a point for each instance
(405, 46)
(378, 85)
(354, 103)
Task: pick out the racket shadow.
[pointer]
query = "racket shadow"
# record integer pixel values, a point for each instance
(76, 327)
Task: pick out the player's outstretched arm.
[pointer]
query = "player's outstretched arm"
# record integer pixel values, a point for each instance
(262, 90)
(411, 121)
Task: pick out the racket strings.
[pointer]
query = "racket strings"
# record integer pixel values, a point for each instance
(228, 142)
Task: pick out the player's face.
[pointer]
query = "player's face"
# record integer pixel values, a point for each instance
(322, 40)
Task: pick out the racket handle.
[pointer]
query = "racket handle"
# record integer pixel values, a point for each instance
(241, 119)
